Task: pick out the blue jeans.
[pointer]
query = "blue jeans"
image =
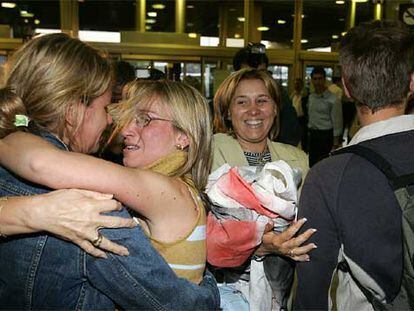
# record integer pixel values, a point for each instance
(232, 299)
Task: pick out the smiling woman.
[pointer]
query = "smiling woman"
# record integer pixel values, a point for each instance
(246, 109)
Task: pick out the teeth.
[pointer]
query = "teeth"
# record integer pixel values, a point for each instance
(131, 147)
(254, 122)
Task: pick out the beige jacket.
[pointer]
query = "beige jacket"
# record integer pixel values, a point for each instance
(226, 149)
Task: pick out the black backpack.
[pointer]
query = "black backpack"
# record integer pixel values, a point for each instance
(405, 297)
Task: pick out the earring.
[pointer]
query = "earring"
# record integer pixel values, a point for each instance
(179, 147)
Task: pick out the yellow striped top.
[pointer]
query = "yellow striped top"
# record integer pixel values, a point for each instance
(187, 256)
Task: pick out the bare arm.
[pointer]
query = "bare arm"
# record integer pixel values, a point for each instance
(73, 215)
(39, 161)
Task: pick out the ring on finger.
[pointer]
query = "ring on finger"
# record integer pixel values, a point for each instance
(291, 254)
(97, 241)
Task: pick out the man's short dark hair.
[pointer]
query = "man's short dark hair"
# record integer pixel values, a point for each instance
(124, 72)
(377, 61)
(318, 70)
(245, 56)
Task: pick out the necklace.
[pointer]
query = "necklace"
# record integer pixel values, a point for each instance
(258, 158)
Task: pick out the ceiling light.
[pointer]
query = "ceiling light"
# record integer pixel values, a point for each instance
(237, 36)
(232, 10)
(341, 19)
(343, 33)
(340, 2)
(241, 19)
(192, 35)
(263, 28)
(152, 14)
(26, 14)
(304, 41)
(8, 5)
(148, 27)
(359, 1)
(150, 21)
(190, 6)
(158, 6)
(281, 21)
(37, 22)
(335, 36)
(26, 20)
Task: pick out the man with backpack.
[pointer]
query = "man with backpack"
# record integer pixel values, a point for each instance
(364, 259)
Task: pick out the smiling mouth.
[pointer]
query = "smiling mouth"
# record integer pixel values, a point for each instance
(131, 147)
(254, 122)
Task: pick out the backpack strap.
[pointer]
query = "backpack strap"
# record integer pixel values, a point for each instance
(396, 182)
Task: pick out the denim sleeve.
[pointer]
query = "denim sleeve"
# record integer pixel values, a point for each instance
(143, 280)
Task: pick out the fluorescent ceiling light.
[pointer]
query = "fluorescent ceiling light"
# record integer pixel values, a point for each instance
(150, 21)
(237, 36)
(281, 21)
(190, 6)
(152, 14)
(335, 36)
(340, 2)
(158, 6)
(45, 31)
(263, 28)
(209, 41)
(241, 19)
(148, 27)
(26, 14)
(8, 5)
(343, 33)
(37, 22)
(304, 41)
(100, 36)
(192, 35)
(234, 43)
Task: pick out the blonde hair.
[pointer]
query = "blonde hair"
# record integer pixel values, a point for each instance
(189, 113)
(225, 95)
(52, 74)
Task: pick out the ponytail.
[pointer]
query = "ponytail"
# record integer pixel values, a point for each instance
(11, 105)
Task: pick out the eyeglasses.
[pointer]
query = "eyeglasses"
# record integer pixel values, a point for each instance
(142, 120)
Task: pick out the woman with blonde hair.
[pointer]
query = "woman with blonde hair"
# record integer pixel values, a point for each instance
(246, 109)
(64, 85)
(166, 151)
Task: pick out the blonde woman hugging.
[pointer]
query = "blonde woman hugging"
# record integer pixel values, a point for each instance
(167, 136)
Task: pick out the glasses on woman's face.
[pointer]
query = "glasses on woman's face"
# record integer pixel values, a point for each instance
(143, 119)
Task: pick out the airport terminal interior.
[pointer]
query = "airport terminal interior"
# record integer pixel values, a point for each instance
(199, 38)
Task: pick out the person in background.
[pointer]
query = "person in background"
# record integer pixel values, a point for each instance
(325, 118)
(41, 271)
(299, 99)
(348, 199)
(254, 56)
(246, 107)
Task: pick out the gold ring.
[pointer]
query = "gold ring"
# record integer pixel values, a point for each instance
(96, 242)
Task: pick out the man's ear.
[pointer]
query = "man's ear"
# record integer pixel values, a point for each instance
(345, 88)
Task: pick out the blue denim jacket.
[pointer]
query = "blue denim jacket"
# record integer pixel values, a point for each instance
(39, 271)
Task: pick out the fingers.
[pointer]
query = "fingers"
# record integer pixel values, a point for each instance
(293, 229)
(113, 247)
(116, 222)
(268, 228)
(90, 249)
(106, 206)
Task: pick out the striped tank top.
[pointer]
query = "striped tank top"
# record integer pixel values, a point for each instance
(187, 256)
